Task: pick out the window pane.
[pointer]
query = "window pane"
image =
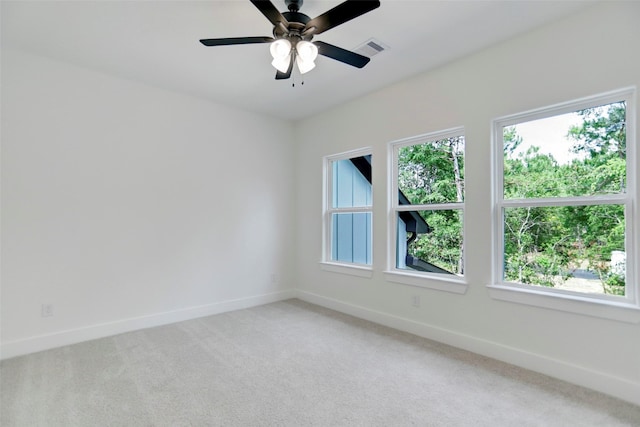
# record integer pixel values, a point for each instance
(430, 241)
(577, 248)
(351, 239)
(432, 172)
(575, 154)
(352, 182)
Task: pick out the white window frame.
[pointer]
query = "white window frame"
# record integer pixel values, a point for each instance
(620, 308)
(361, 270)
(441, 282)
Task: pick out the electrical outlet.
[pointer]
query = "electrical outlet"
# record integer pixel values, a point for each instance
(415, 300)
(47, 310)
(274, 278)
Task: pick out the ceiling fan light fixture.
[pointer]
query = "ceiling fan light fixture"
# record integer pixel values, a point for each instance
(306, 54)
(280, 48)
(281, 52)
(307, 51)
(304, 66)
(281, 64)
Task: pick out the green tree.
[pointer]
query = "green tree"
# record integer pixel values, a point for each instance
(543, 244)
(603, 131)
(433, 173)
(534, 237)
(602, 137)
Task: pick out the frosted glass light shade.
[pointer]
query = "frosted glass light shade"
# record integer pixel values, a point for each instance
(304, 66)
(280, 48)
(282, 64)
(307, 51)
(281, 52)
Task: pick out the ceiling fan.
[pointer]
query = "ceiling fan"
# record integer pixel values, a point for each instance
(293, 32)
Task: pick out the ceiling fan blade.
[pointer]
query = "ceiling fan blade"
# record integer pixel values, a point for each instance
(283, 76)
(269, 10)
(340, 14)
(235, 40)
(342, 55)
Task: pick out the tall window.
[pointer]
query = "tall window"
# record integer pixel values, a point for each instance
(427, 204)
(563, 199)
(348, 208)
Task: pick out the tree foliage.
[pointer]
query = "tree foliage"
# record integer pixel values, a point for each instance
(543, 245)
(433, 173)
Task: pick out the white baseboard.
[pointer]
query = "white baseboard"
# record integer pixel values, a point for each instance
(73, 336)
(598, 381)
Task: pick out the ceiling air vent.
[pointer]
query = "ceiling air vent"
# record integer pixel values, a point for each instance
(371, 48)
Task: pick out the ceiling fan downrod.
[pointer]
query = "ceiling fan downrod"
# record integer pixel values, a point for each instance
(293, 5)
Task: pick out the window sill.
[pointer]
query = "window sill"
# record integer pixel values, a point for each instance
(613, 310)
(350, 269)
(455, 285)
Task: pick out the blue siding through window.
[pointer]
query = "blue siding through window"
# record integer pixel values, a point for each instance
(351, 231)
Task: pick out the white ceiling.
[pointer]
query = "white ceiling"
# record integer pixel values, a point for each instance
(156, 42)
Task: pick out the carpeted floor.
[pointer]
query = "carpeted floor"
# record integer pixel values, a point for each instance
(287, 364)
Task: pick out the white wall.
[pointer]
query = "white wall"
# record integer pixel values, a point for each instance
(126, 206)
(586, 54)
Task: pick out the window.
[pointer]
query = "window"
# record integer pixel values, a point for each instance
(348, 209)
(427, 209)
(564, 192)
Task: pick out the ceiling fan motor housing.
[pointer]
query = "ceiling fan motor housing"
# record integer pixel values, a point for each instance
(294, 32)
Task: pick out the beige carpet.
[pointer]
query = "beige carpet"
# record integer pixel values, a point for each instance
(287, 364)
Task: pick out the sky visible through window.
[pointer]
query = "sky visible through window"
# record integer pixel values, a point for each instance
(550, 135)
